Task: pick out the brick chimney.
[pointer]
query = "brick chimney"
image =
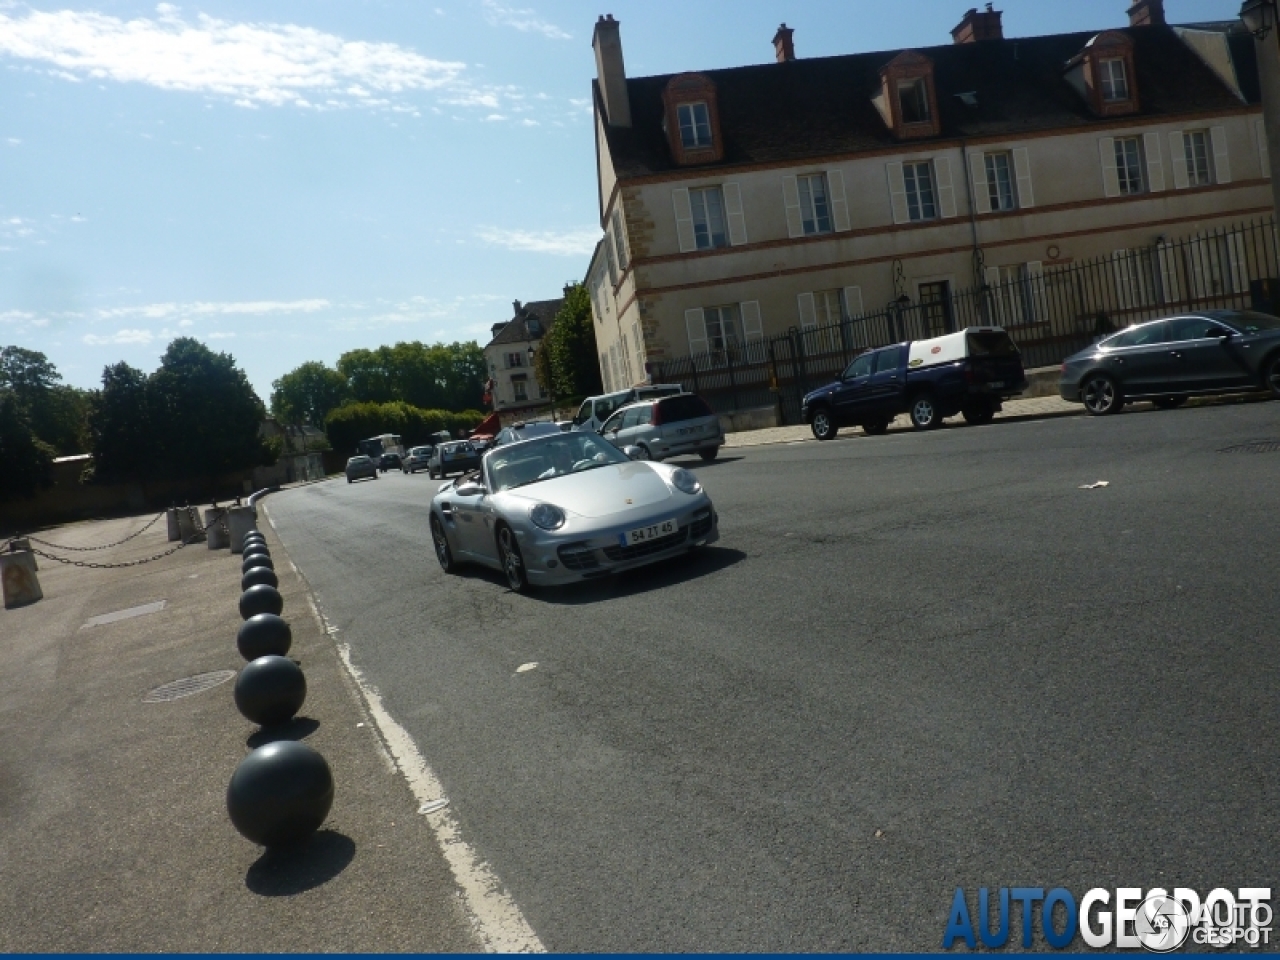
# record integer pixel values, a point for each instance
(1147, 13)
(516, 306)
(976, 26)
(783, 47)
(610, 72)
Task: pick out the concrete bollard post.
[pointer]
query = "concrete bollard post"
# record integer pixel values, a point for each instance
(18, 574)
(215, 528)
(186, 525)
(172, 516)
(240, 520)
(22, 543)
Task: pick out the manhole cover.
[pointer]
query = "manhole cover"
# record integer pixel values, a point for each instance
(1254, 446)
(185, 688)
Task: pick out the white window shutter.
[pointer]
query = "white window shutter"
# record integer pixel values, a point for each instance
(808, 310)
(1036, 299)
(946, 191)
(978, 170)
(733, 213)
(897, 191)
(752, 325)
(839, 205)
(695, 323)
(1155, 166)
(684, 219)
(991, 275)
(1221, 159)
(1166, 255)
(1260, 132)
(1022, 170)
(791, 200)
(1110, 175)
(1178, 160)
(853, 301)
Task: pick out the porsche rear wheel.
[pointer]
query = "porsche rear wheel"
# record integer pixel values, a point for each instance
(512, 561)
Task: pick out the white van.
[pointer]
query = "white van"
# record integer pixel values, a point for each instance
(596, 410)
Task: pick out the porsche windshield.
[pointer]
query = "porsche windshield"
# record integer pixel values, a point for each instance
(548, 457)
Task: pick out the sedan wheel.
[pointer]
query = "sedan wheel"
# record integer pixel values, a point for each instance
(924, 412)
(824, 426)
(1273, 375)
(441, 540)
(512, 562)
(1101, 395)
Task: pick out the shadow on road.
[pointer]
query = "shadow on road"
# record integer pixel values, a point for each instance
(697, 463)
(299, 728)
(700, 563)
(285, 872)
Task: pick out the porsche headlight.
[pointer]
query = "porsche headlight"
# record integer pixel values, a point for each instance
(685, 481)
(547, 517)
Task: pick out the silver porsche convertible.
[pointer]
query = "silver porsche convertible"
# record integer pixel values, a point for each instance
(568, 507)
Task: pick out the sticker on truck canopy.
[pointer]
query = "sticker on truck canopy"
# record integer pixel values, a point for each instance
(915, 363)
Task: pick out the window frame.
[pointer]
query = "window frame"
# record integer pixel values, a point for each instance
(991, 163)
(811, 220)
(1194, 178)
(697, 198)
(918, 89)
(519, 390)
(910, 180)
(720, 342)
(1129, 178)
(1119, 93)
(695, 124)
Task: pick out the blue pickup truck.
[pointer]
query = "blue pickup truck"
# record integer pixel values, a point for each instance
(970, 372)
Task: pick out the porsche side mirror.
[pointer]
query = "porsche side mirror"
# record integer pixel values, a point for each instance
(633, 453)
(470, 489)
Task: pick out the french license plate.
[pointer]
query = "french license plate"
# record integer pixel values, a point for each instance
(645, 534)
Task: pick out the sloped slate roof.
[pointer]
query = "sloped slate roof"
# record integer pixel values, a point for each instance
(819, 107)
(517, 330)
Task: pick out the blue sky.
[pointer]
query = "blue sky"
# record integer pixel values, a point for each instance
(290, 180)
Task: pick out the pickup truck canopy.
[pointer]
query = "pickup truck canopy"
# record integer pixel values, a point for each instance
(969, 342)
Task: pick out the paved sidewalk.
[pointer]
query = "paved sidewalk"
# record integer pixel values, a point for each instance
(114, 834)
(1032, 408)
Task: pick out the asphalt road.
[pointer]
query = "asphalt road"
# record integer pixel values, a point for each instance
(912, 663)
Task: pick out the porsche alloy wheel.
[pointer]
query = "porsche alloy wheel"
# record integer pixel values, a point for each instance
(512, 562)
(441, 541)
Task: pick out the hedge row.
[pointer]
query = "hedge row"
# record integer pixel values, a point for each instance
(348, 425)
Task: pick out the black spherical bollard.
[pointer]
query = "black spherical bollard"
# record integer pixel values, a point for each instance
(270, 690)
(260, 599)
(263, 635)
(256, 575)
(280, 793)
(255, 532)
(256, 550)
(258, 560)
(253, 542)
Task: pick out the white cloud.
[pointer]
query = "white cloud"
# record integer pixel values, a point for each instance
(142, 337)
(523, 20)
(201, 308)
(569, 243)
(221, 335)
(251, 63)
(14, 140)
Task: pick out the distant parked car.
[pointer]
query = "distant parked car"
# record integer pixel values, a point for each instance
(456, 456)
(524, 431)
(389, 461)
(418, 459)
(1166, 361)
(667, 427)
(361, 468)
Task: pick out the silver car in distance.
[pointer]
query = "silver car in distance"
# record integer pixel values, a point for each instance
(568, 507)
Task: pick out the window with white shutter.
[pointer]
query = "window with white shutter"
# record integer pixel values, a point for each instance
(839, 204)
(1000, 181)
(978, 171)
(808, 310)
(696, 326)
(1110, 174)
(684, 220)
(946, 192)
(791, 202)
(1155, 167)
(1178, 160)
(1196, 149)
(734, 214)
(619, 239)
(853, 301)
(1022, 170)
(897, 191)
(752, 323)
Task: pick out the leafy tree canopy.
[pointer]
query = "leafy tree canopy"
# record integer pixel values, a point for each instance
(56, 413)
(27, 461)
(308, 393)
(570, 347)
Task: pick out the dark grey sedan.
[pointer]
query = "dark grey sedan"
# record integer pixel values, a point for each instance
(1166, 361)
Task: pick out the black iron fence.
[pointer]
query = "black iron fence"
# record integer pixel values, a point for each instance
(1050, 311)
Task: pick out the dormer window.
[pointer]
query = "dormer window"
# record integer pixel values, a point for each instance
(691, 119)
(695, 125)
(1115, 81)
(913, 101)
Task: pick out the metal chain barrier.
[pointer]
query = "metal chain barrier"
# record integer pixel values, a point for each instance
(59, 546)
(194, 538)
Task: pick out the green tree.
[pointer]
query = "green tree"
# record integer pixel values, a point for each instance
(57, 414)
(308, 393)
(27, 461)
(121, 434)
(205, 414)
(571, 346)
(437, 377)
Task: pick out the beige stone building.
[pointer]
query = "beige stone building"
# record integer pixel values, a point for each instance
(514, 387)
(739, 203)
